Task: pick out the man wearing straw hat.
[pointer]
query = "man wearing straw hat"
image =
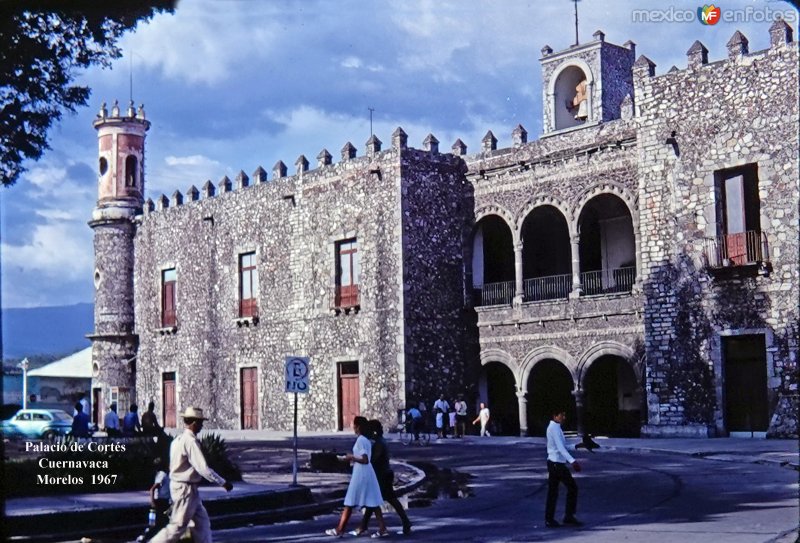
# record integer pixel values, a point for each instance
(187, 467)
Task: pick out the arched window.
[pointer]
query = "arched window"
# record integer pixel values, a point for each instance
(131, 165)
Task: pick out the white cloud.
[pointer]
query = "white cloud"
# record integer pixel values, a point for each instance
(202, 42)
(61, 251)
(355, 63)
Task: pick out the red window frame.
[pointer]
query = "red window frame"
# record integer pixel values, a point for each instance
(348, 270)
(248, 285)
(169, 280)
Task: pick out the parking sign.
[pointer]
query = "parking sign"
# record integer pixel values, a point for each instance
(297, 374)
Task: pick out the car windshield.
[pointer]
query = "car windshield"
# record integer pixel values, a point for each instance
(61, 415)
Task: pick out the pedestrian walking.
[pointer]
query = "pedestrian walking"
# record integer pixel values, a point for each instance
(150, 426)
(558, 473)
(385, 475)
(363, 490)
(461, 416)
(187, 467)
(483, 417)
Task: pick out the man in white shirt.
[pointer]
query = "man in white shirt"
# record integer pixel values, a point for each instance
(558, 472)
(187, 467)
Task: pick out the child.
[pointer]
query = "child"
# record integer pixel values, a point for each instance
(159, 501)
(440, 423)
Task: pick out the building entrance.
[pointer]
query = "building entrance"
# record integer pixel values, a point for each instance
(550, 387)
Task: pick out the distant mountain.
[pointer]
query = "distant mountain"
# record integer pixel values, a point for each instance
(46, 330)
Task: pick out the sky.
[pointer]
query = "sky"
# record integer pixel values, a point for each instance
(231, 85)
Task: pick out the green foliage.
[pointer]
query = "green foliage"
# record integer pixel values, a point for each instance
(216, 452)
(43, 46)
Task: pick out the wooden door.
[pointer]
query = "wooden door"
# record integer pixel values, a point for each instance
(170, 410)
(249, 399)
(746, 403)
(349, 394)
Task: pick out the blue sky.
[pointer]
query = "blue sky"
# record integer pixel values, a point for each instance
(231, 85)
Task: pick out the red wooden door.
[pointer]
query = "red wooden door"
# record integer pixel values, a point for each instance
(170, 411)
(249, 399)
(349, 394)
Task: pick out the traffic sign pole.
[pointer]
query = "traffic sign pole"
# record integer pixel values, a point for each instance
(296, 382)
(294, 463)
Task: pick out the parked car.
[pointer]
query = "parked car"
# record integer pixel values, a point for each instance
(37, 423)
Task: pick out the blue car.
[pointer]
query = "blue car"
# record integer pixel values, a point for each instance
(37, 423)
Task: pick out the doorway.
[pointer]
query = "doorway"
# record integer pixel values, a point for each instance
(349, 394)
(249, 398)
(746, 403)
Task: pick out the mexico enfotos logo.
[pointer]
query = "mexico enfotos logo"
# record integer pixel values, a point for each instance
(710, 14)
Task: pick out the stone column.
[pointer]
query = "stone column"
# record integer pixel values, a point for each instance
(522, 398)
(518, 288)
(576, 266)
(580, 414)
(637, 244)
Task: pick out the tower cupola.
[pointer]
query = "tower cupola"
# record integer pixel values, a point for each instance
(121, 156)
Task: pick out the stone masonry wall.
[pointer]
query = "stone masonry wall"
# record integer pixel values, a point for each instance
(435, 210)
(728, 113)
(292, 224)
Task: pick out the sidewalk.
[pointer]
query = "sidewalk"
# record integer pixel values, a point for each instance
(267, 494)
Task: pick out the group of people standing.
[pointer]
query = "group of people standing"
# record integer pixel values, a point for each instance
(130, 425)
(448, 418)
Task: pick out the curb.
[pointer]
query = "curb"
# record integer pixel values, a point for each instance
(119, 521)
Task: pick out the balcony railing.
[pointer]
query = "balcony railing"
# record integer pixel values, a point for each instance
(738, 249)
(346, 298)
(608, 281)
(494, 293)
(551, 287)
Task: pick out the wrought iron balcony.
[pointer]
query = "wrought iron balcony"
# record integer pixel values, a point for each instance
(346, 298)
(608, 281)
(741, 249)
(551, 287)
(494, 293)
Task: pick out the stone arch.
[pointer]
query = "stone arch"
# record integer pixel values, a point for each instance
(548, 375)
(605, 223)
(553, 94)
(501, 212)
(611, 390)
(604, 348)
(532, 204)
(499, 355)
(606, 188)
(498, 386)
(491, 250)
(544, 353)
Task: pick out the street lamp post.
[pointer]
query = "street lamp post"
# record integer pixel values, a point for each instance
(24, 365)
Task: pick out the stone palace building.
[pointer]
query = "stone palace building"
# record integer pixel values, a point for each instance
(636, 264)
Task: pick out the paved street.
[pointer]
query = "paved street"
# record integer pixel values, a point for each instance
(624, 496)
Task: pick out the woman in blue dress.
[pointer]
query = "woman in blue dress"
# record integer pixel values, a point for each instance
(364, 490)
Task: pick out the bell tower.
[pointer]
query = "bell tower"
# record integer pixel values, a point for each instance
(585, 84)
(120, 193)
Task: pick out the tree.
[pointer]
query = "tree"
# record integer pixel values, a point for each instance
(43, 46)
